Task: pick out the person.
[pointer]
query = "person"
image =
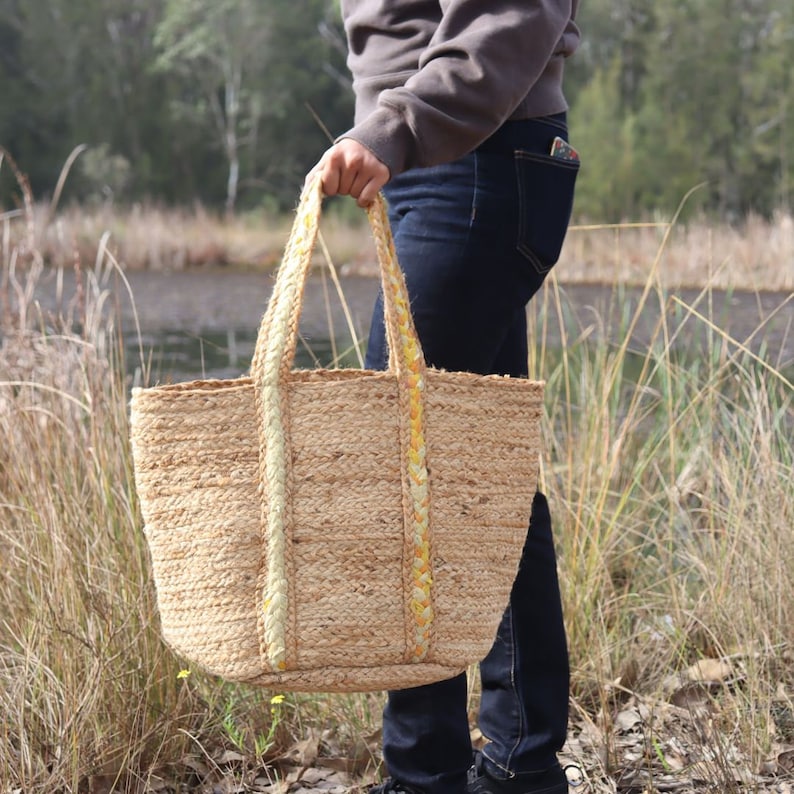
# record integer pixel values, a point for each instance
(458, 105)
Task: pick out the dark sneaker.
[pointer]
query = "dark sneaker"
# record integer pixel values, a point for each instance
(391, 786)
(547, 781)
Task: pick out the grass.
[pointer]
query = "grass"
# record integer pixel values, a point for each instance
(158, 238)
(755, 254)
(675, 489)
(752, 255)
(672, 484)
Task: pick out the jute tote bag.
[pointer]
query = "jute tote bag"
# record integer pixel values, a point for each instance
(335, 530)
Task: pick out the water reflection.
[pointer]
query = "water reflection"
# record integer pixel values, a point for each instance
(171, 356)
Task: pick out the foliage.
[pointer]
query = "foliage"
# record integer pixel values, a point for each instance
(220, 101)
(215, 45)
(706, 88)
(179, 90)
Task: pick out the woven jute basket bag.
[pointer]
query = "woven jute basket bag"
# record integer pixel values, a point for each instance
(335, 530)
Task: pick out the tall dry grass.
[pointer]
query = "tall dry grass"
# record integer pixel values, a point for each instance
(90, 697)
(757, 254)
(148, 237)
(86, 687)
(671, 475)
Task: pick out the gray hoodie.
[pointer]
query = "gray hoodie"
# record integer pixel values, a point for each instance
(435, 78)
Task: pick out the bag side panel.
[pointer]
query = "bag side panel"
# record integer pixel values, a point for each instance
(483, 446)
(196, 472)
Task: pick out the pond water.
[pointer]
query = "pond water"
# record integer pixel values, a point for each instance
(202, 323)
(173, 355)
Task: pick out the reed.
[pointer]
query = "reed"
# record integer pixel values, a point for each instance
(755, 254)
(673, 480)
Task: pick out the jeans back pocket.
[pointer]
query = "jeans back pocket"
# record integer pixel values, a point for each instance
(545, 197)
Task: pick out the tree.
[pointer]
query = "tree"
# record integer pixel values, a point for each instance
(705, 57)
(309, 94)
(606, 140)
(226, 101)
(218, 44)
(770, 91)
(614, 32)
(78, 73)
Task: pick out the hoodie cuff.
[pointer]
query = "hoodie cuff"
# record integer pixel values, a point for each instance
(388, 137)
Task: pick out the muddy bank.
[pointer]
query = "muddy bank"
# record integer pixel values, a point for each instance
(218, 301)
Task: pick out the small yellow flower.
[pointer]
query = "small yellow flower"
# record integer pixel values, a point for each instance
(276, 700)
(183, 674)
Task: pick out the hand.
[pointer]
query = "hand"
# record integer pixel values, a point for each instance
(348, 168)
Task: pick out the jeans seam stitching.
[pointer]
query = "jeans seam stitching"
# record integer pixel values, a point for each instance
(523, 154)
(522, 248)
(515, 695)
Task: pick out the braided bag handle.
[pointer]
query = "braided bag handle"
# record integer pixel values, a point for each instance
(272, 363)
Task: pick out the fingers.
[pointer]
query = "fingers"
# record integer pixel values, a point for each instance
(350, 169)
(370, 192)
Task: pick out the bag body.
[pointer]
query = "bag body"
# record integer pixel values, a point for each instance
(335, 530)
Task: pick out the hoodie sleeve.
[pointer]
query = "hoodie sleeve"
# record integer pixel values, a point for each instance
(482, 62)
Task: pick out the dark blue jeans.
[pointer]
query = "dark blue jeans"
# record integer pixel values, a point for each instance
(475, 239)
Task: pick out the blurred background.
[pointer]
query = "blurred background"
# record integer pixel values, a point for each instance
(229, 102)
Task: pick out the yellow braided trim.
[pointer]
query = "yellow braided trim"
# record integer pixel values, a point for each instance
(417, 474)
(275, 603)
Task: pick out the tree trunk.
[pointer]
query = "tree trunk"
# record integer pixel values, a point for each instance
(231, 142)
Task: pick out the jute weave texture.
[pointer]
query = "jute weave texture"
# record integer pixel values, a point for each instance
(335, 530)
